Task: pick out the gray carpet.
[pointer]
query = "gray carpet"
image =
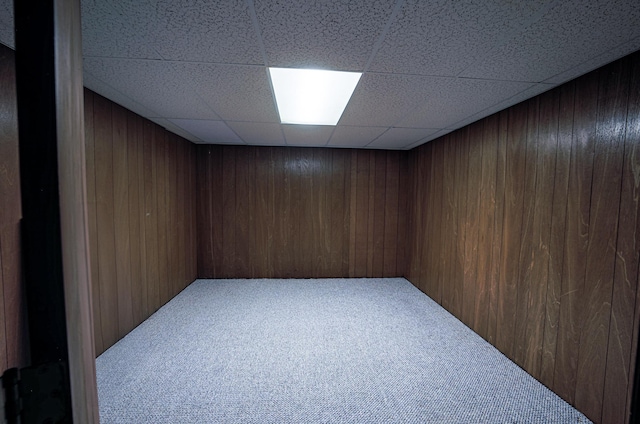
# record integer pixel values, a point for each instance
(314, 351)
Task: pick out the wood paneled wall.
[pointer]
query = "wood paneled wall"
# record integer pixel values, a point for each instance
(13, 320)
(273, 212)
(526, 227)
(141, 195)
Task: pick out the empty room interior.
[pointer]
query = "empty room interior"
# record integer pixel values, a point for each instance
(460, 244)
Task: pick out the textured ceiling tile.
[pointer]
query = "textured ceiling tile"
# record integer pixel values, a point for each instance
(105, 90)
(119, 28)
(214, 132)
(158, 84)
(307, 135)
(258, 133)
(400, 138)
(170, 126)
(6, 23)
(453, 99)
(336, 35)
(205, 31)
(595, 62)
(236, 93)
(523, 95)
(355, 137)
(384, 99)
(568, 35)
(441, 37)
(428, 138)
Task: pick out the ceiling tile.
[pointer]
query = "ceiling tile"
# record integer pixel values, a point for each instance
(105, 90)
(452, 99)
(159, 84)
(215, 132)
(119, 28)
(236, 93)
(321, 34)
(6, 23)
(384, 99)
(354, 137)
(567, 35)
(399, 138)
(219, 32)
(523, 95)
(441, 37)
(307, 135)
(258, 133)
(428, 138)
(595, 62)
(170, 126)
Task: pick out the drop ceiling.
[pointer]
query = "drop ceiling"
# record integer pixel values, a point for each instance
(199, 68)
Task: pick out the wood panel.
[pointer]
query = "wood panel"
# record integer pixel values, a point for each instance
(546, 234)
(603, 232)
(13, 337)
(285, 212)
(620, 355)
(141, 233)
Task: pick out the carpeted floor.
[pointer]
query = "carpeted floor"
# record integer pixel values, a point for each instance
(314, 351)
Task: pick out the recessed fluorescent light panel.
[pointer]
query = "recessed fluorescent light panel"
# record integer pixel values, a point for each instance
(312, 96)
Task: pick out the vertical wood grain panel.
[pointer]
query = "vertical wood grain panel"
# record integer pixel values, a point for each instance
(527, 256)
(151, 217)
(245, 208)
(142, 216)
(180, 196)
(415, 241)
(134, 194)
(460, 184)
(172, 219)
(105, 213)
(264, 211)
(121, 219)
(3, 335)
(536, 265)
(558, 231)
(498, 236)
(229, 205)
(346, 209)
(14, 295)
(576, 238)
(512, 227)
(603, 225)
(13, 337)
(391, 239)
(437, 252)
(423, 194)
(538, 268)
(163, 215)
(448, 222)
(619, 356)
(92, 220)
(362, 211)
(471, 287)
(338, 205)
(282, 262)
(486, 217)
(371, 210)
(379, 200)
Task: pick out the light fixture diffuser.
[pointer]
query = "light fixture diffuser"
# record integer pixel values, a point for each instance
(312, 96)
